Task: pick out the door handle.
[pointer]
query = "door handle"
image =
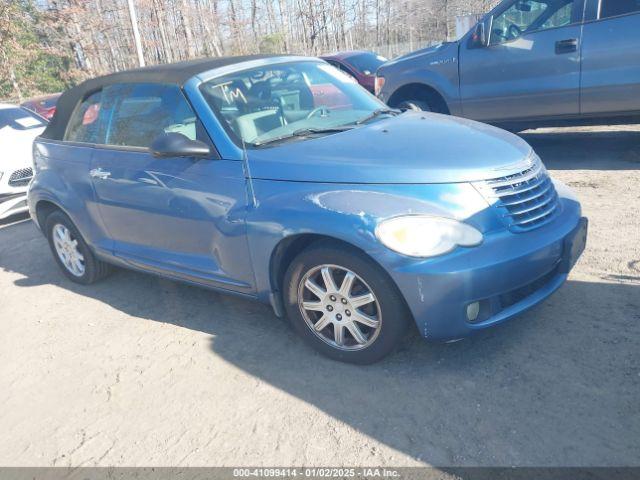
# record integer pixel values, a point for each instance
(566, 46)
(99, 173)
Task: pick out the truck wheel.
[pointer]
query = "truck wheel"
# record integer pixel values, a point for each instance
(416, 105)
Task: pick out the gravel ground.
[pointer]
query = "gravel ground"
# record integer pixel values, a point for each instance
(140, 371)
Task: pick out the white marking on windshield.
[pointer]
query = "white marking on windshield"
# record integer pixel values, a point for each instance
(230, 95)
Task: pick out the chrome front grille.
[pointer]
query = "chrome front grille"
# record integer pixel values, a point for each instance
(526, 200)
(21, 178)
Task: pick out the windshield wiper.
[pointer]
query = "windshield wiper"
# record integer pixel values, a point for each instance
(377, 113)
(303, 132)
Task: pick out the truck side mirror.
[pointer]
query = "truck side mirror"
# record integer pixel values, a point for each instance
(480, 36)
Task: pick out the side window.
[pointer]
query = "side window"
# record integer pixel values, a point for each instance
(614, 8)
(524, 16)
(340, 67)
(560, 17)
(84, 125)
(138, 113)
(346, 70)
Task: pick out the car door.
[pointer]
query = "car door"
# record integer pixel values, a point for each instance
(180, 216)
(531, 65)
(611, 58)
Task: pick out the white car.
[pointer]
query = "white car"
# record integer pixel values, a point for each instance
(18, 128)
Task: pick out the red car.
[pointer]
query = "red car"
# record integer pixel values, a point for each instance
(45, 106)
(361, 65)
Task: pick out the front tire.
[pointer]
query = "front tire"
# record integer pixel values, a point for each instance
(71, 252)
(415, 105)
(343, 304)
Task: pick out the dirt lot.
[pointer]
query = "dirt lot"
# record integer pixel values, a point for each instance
(142, 371)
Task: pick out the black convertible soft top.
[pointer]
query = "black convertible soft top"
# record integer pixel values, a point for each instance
(176, 73)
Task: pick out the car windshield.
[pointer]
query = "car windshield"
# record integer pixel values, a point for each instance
(366, 63)
(20, 119)
(287, 101)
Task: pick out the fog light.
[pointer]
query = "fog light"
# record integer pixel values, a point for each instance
(473, 310)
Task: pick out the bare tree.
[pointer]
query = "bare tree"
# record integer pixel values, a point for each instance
(98, 36)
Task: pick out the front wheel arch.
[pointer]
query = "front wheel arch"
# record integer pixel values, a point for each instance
(287, 249)
(290, 247)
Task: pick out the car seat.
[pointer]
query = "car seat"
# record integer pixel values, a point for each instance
(251, 125)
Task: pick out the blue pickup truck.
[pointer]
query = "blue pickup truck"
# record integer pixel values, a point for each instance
(529, 63)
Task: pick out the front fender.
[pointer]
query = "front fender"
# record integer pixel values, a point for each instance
(437, 69)
(350, 213)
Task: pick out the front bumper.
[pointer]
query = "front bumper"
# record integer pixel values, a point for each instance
(508, 274)
(14, 184)
(12, 203)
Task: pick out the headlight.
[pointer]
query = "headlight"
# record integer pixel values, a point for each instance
(423, 236)
(377, 87)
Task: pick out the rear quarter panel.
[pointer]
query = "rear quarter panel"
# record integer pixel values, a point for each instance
(62, 178)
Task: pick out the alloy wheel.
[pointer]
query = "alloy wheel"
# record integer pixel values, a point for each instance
(67, 249)
(339, 307)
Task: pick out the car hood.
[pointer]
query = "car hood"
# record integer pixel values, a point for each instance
(414, 147)
(17, 147)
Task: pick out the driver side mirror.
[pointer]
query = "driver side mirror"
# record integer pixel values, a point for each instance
(480, 36)
(175, 144)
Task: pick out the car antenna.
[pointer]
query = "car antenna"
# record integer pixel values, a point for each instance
(247, 172)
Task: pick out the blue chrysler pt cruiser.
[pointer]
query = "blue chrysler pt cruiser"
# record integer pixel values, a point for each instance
(280, 179)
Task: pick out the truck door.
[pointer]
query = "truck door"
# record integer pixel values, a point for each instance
(531, 67)
(611, 58)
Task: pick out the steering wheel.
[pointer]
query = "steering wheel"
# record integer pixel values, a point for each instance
(514, 31)
(322, 110)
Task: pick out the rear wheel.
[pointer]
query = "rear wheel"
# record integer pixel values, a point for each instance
(343, 304)
(71, 252)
